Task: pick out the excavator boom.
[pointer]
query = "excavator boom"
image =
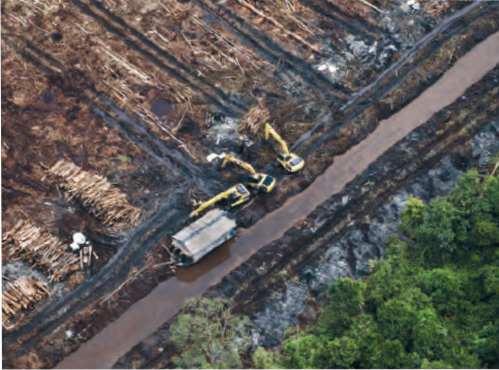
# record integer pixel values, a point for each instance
(270, 132)
(229, 158)
(290, 161)
(260, 181)
(238, 193)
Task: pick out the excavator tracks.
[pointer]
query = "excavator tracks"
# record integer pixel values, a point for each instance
(142, 103)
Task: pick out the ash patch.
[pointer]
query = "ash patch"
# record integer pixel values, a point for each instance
(223, 130)
(17, 269)
(350, 255)
(288, 305)
(486, 144)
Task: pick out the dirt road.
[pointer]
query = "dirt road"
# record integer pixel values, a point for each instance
(162, 303)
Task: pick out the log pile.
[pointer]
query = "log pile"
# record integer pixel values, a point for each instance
(96, 193)
(436, 8)
(255, 118)
(21, 295)
(41, 249)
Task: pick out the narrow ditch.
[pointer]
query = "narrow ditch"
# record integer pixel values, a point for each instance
(294, 302)
(142, 318)
(41, 330)
(272, 286)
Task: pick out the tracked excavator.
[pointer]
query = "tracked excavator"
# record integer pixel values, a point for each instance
(236, 195)
(260, 181)
(290, 161)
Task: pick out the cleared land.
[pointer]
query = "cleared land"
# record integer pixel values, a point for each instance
(133, 97)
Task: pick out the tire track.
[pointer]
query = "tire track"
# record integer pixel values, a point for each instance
(153, 53)
(165, 221)
(405, 168)
(352, 25)
(148, 314)
(69, 309)
(130, 127)
(275, 54)
(392, 77)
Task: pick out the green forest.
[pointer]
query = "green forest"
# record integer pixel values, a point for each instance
(431, 302)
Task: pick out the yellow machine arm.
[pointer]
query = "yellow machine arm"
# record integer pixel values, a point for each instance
(259, 181)
(290, 161)
(270, 132)
(238, 192)
(229, 158)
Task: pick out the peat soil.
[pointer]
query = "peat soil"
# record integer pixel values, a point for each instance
(43, 343)
(43, 123)
(296, 302)
(334, 134)
(279, 286)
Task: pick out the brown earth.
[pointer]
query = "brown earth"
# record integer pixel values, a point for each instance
(150, 311)
(447, 133)
(104, 96)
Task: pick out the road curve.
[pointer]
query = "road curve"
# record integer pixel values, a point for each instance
(148, 314)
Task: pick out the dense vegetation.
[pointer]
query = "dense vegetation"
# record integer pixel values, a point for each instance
(432, 301)
(208, 335)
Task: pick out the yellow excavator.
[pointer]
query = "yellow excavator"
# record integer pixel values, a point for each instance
(259, 181)
(236, 195)
(290, 161)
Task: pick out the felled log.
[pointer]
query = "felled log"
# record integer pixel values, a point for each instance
(436, 8)
(283, 29)
(20, 295)
(44, 251)
(96, 193)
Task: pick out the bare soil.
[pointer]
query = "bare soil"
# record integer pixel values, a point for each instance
(135, 93)
(249, 286)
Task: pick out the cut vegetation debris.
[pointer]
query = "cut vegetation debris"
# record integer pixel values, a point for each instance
(44, 251)
(436, 7)
(117, 103)
(253, 121)
(21, 295)
(96, 193)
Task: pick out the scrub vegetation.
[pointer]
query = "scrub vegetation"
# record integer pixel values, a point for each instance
(431, 302)
(210, 336)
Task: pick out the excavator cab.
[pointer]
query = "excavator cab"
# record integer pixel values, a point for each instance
(266, 183)
(290, 161)
(240, 196)
(235, 195)
(260, 181)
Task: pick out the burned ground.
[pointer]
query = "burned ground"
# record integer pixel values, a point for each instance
(141, 94)
(267, 274)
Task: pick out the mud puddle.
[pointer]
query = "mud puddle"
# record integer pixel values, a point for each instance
(164, 301)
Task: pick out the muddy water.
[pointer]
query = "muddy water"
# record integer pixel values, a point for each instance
(146, 315)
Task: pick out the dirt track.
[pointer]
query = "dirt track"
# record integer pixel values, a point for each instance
(148, 314)
(81, 308)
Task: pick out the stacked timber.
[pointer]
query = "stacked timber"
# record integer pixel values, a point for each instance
(21, 295)
(96, 193)
(44, 251)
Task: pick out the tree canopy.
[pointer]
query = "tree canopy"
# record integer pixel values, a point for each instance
(208, 335)
(431, 302)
